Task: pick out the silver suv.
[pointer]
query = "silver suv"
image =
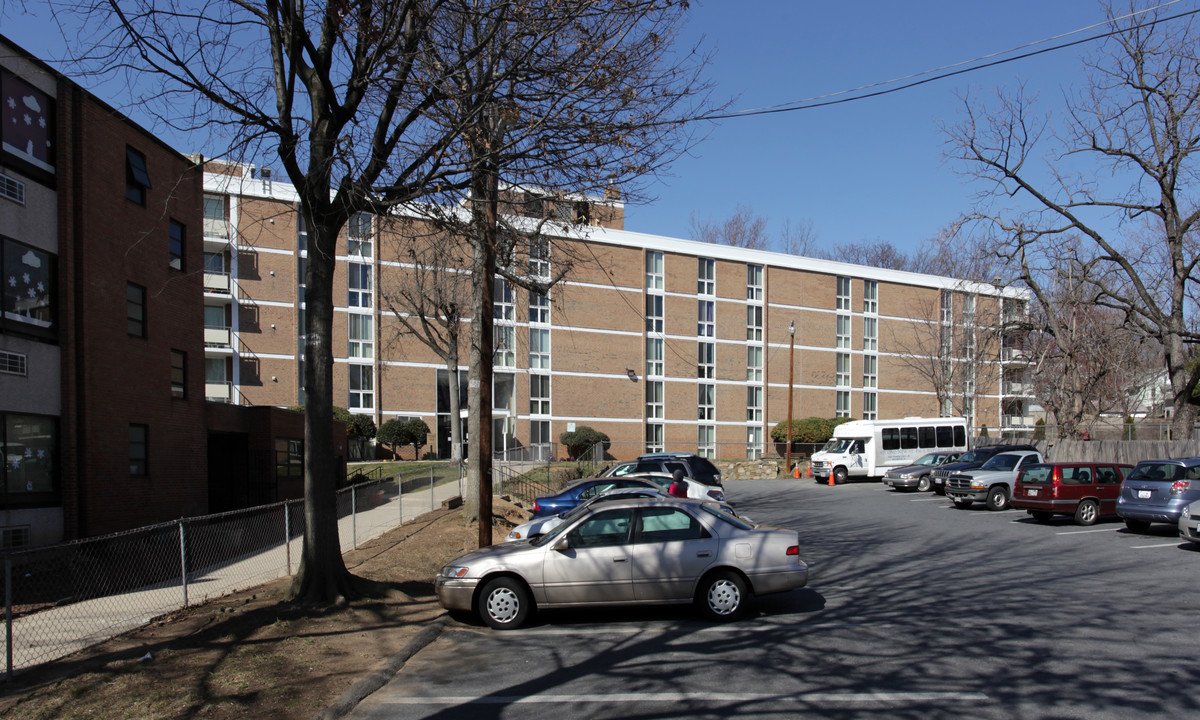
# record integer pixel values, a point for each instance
(693, 466)
(992, 482)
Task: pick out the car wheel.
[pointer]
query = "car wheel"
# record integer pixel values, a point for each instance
(722, 596)
(839, 475)
(997, 498)
(1041, 515)
(1137, 526)
(1087, 512)
(924, 483)
(505, 603)
(962, 504)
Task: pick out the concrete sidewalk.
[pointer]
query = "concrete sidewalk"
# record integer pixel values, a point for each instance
(58, 631)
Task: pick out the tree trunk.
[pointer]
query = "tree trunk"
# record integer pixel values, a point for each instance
(1183, 419)
(455, 402)
(322, 576)
(483, 271)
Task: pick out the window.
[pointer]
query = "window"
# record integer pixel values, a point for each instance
(706, 401)
(539, 436)
(539, 348)
(843, 293)
(842, 378)
(539, 308)
(27, 123)
(706, 360)
(504, 393)
(539, 394)
(890, 438)
(214, 263)
(754, 443)
(504, 346)
(289, 459)
(12, 363)
(870, 406)
(215, 371)
(503, 308)
(660, 525)
(654, 270)
(706, 280)
(361, 331)
(30, 470)
(178, 374)
(359, 294)
(362, 387)
(843, 404)
(137, 179)
(654, 357)
(654, 438)
(870, 296)
(870, 333)
(754, 403)
(135, 310)
(214, 217)
(706, 441)
(176, 245)
(947, 307)
(843, 332)
(604, 529)
(539, 257)
(301, 233)
(12, 189)
(28, 278)
(754, 360)
(968, 303)
(754, 283)
(139, 449)
(754, 323)
(359, 241)
(870, 371)
(654, 314)
(654, 399)
(705, 324)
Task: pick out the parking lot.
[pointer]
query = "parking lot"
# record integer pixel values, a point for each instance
(915, 609)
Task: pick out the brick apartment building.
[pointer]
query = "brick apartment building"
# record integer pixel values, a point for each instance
(661, 343)
(103, 416)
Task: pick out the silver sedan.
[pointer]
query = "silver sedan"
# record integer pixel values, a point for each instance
(627, 552)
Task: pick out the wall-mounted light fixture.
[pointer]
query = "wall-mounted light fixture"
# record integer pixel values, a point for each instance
(632, 375)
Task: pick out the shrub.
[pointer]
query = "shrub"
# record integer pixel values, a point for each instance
(1039, 429)
(412, 431)
(807, 430)
(1130, 429)
(581, 439)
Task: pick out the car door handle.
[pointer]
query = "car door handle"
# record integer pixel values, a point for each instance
(619, 559)
(703, 553)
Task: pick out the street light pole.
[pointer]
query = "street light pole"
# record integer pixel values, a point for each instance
(791, 375)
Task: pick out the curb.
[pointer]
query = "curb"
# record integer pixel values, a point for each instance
(381, 675)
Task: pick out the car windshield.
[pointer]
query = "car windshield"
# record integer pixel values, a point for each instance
(975, 456)
(837, 446)
(736, 522)
(930, 459)
(1003, 461)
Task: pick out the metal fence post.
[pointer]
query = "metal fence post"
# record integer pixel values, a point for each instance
(8, 619)
(183, 562)
(354, 516)
(287, 533)
(431, 489)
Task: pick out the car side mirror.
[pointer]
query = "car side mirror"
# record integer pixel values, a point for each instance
(561, 545)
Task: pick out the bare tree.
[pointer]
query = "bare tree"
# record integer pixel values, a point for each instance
(353, 98)
(798, 238)
(743, 229)
(1138, 122)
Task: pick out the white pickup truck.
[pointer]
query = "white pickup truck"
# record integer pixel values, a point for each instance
(992, 482)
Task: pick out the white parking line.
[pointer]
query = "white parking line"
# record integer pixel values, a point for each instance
(743, 627)
(1082, 532)
(825, 698)
(1143, 547)
(932, 499)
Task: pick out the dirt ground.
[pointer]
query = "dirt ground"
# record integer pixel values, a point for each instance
(252, 654)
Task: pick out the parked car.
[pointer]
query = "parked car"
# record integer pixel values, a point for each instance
(1083, 490)
(540, 526)
(693, 466)
(918, 476)
(969, 461)
(695, 489)
(627, 552)
(992, 482)
(1157, 491)
(1189, 523)
(577, 492)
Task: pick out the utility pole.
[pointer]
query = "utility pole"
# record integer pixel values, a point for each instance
(791, 376)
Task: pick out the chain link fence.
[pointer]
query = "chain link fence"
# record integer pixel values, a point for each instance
(63, 598)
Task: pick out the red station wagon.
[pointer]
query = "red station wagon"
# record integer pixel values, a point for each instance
(1084, 490)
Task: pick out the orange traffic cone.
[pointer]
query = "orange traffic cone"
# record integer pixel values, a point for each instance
(831, 482)
(809, 473)
(796, 474)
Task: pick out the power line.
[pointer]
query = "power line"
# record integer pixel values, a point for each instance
(812, 103)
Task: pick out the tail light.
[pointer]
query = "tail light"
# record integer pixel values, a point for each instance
(793, 550)
(1055, 481)
(1180, 486)
(535, 506)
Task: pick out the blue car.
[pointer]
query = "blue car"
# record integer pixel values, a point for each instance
(574, 494)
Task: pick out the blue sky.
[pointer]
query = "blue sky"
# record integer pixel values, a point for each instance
(860, 171)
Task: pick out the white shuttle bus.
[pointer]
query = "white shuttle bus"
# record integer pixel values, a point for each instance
(869, 448)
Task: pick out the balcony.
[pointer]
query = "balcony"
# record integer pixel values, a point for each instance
(216, 283)
(218, 391)
(1015, 387)
(217, 337)
(1012, 354)
(216, 234)
(1016, 421)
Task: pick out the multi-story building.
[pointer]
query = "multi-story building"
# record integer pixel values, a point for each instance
(661, 343)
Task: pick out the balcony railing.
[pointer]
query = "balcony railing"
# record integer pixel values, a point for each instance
(216, 282)
(1013, 387)
(1014, 355)
(216, 228)
(216, 337)
(218, 391)
(1016, 420)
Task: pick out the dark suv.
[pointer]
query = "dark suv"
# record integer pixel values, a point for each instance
(969, 461)
(697, 468)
